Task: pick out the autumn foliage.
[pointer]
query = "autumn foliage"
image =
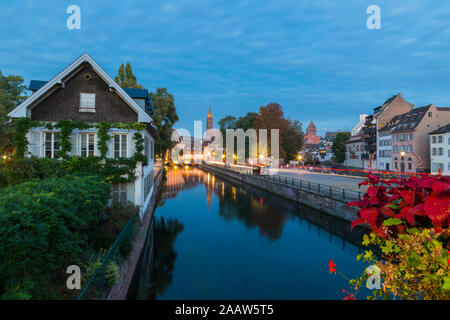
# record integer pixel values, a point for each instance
(391, 207)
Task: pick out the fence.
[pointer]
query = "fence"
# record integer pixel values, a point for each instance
(326, 190)
(96, 285)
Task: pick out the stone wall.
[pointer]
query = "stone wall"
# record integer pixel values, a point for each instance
(319, 201)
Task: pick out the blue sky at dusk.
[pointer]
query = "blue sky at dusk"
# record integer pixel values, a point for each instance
(314, 57)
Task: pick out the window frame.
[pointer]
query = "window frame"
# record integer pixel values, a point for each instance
(87, 108)
(121, 135)
(85, 135)
(53, 150)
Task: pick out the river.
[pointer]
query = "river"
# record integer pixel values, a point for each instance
(213, 239)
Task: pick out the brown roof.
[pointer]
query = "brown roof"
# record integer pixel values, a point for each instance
(411, 119)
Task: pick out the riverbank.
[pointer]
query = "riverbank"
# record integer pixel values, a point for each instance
(120, 290)
(327, 203)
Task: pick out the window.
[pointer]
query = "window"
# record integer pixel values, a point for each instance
(433, 151)
(434, 139)
(119, 193)
(87, 102)
(51, 144)
(448, 166)
(440, 139)
(120, 145)
(430, 114)
(395, 164)
(441, 166)
(87, 144)
(409, 166)
(441, 151)
(410, 137)
(434, 166)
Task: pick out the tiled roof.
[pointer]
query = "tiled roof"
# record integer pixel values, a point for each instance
(411, 119)
(443, 129)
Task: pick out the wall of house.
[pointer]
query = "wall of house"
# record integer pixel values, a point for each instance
(428, 124)
(443, 159)
(64, 103)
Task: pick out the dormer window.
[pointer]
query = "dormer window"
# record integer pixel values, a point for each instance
(87, 102)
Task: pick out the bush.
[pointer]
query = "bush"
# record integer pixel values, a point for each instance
(45, 225)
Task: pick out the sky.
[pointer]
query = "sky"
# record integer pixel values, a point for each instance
(316, 58)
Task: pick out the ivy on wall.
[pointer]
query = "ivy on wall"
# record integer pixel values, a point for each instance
(113, 170)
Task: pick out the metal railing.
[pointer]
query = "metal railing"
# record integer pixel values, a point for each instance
(326, 190)
(96, 285)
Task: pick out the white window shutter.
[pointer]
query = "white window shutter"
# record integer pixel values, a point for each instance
(132, 144)
(35, 142)
(74, 150)
(110, 144)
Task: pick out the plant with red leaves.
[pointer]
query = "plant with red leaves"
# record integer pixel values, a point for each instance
(409, 202)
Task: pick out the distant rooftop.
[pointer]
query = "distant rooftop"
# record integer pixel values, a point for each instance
(443, 129)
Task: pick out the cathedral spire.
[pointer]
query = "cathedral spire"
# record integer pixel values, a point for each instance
(209, 119)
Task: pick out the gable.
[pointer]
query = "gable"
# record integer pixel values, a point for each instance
(59, 81)
(64, 101)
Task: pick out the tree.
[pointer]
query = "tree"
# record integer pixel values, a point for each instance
(271, 117)
(338, 147)
(292, 137)
(12, 92)
(126, 78)
(164, 118)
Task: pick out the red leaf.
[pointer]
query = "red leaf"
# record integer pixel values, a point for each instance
(332, 267)
(439, 186)
(356, 222)
(364, 183)
(370, 215)
(354, 203)
(437, 210)
(373, 192)
(408, 196)
(407, 215)
(418, 210)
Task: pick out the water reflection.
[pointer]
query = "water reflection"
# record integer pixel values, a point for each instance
(205, 245)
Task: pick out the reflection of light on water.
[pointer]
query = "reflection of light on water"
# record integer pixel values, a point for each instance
(233, 192)
(223, 190)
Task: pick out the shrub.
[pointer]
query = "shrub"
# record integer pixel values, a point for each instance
(46, 224)
(410, 229)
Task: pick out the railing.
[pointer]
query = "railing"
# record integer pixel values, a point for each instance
(326, 190)
(96, 284)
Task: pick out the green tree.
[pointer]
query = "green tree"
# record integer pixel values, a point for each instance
(12, 92)
(338, 147)
(125, 77)
(164, 118)
(292, 137)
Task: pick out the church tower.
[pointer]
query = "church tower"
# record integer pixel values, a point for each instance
(209, 120)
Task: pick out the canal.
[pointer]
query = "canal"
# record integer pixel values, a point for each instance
(213, 239)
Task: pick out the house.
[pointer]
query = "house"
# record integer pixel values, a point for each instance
(354, 147)
(440, 150)
(393, 106)
(311, 139)
(410, 139)
(384, 157)
(84, 92)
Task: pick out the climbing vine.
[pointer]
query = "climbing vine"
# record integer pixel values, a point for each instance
(114, 170)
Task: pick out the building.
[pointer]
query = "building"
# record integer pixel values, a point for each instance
(410, 137)
(384, 157)
(354, 148)
(311, 139)
(209, 120)
(440, 150)
(355, 145)
(84, 92)
(393, 106)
